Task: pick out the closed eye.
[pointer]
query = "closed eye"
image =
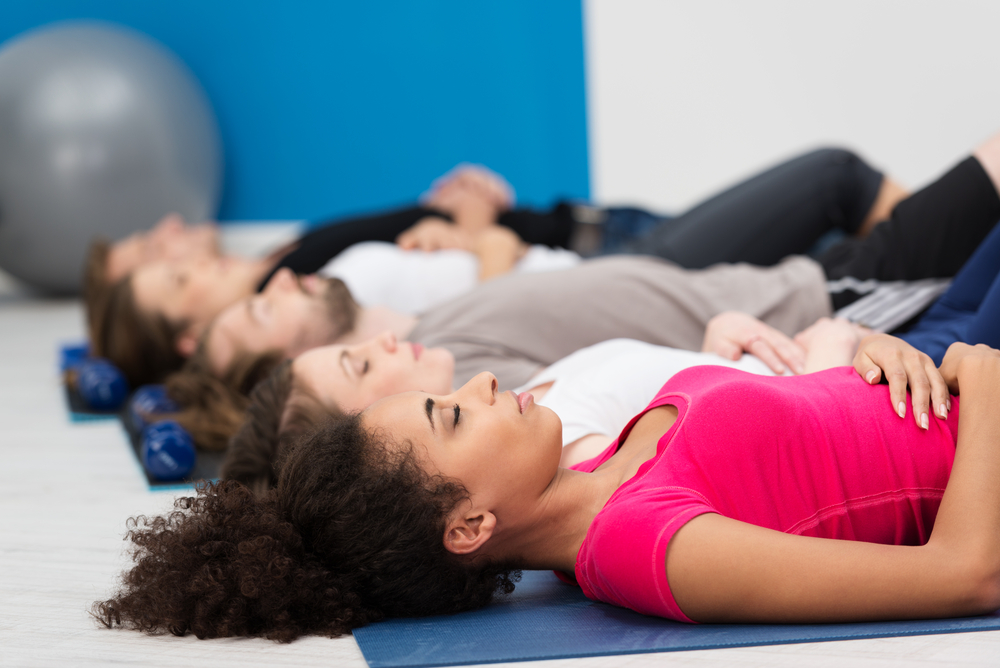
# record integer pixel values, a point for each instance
(458, 413)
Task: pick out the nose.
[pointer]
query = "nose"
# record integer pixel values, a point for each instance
(482, 387)
(172, 223)
(388, 341)
(283, 280)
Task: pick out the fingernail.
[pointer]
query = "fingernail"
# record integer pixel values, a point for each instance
(901, 409)
(870, 377)
(923, 420)
(942, 411)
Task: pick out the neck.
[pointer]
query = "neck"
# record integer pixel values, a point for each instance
(551, 538)
(557, 524)
(374, 320)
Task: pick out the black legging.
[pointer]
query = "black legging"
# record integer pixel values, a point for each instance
(784, 210)
(930, 234)
(779, 212)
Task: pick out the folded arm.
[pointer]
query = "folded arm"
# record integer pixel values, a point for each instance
(723, 570)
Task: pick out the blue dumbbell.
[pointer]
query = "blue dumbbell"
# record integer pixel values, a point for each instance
(149, 401)
(100, 384)
(167, 450)
(72, 354)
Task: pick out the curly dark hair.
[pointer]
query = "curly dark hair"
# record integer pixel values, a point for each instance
(352, 533)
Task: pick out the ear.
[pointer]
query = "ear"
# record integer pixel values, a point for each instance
(465, 535)
(187, 341)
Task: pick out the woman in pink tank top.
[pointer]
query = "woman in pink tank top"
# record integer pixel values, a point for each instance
(731, 498)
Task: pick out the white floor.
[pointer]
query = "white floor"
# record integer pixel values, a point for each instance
(67, 489)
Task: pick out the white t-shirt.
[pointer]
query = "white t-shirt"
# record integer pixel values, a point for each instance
(382, 274)
(598, 389)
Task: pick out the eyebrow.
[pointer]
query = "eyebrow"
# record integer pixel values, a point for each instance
(429, 407)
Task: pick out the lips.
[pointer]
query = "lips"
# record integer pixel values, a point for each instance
(310, 283)
(417, 350)
(523, 400)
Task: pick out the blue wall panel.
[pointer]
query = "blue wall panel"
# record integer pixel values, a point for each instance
(329, 108)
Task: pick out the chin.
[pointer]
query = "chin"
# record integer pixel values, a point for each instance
(550, 423)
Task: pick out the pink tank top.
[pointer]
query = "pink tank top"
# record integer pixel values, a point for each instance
(816, 455)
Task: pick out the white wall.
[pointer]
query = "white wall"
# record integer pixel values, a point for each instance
(686, 97)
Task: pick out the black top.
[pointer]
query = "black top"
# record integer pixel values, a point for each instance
(328, 238)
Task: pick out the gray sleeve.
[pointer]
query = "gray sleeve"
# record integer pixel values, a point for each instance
(515, 325)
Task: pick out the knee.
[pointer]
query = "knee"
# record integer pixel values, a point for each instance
(835, 156)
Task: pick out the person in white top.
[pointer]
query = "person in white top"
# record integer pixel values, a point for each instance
(597, 390)
(411, 281)
(594, 391)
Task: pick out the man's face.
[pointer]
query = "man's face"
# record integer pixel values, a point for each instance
(291, 314)
(170, 239)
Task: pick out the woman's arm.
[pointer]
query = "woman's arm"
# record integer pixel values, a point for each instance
(829, 343)
(825, 344)
(498, 249)
(722, 570)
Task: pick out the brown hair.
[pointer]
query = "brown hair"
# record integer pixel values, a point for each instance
(279, 413)
(96, 288)
(212, 409)
(142, 345)
(213, 405)
(351, 534)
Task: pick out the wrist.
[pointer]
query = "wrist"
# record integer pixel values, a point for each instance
(978, 370)
(475, 216)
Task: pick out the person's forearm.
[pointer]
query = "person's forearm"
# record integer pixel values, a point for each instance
(969, 516)
(830, 352)
(498, 250)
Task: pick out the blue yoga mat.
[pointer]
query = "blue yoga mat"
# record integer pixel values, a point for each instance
(547, 619)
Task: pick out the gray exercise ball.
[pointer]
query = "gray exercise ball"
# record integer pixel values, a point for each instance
(102, 132)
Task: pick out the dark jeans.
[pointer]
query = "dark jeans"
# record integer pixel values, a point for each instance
(969, 311)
